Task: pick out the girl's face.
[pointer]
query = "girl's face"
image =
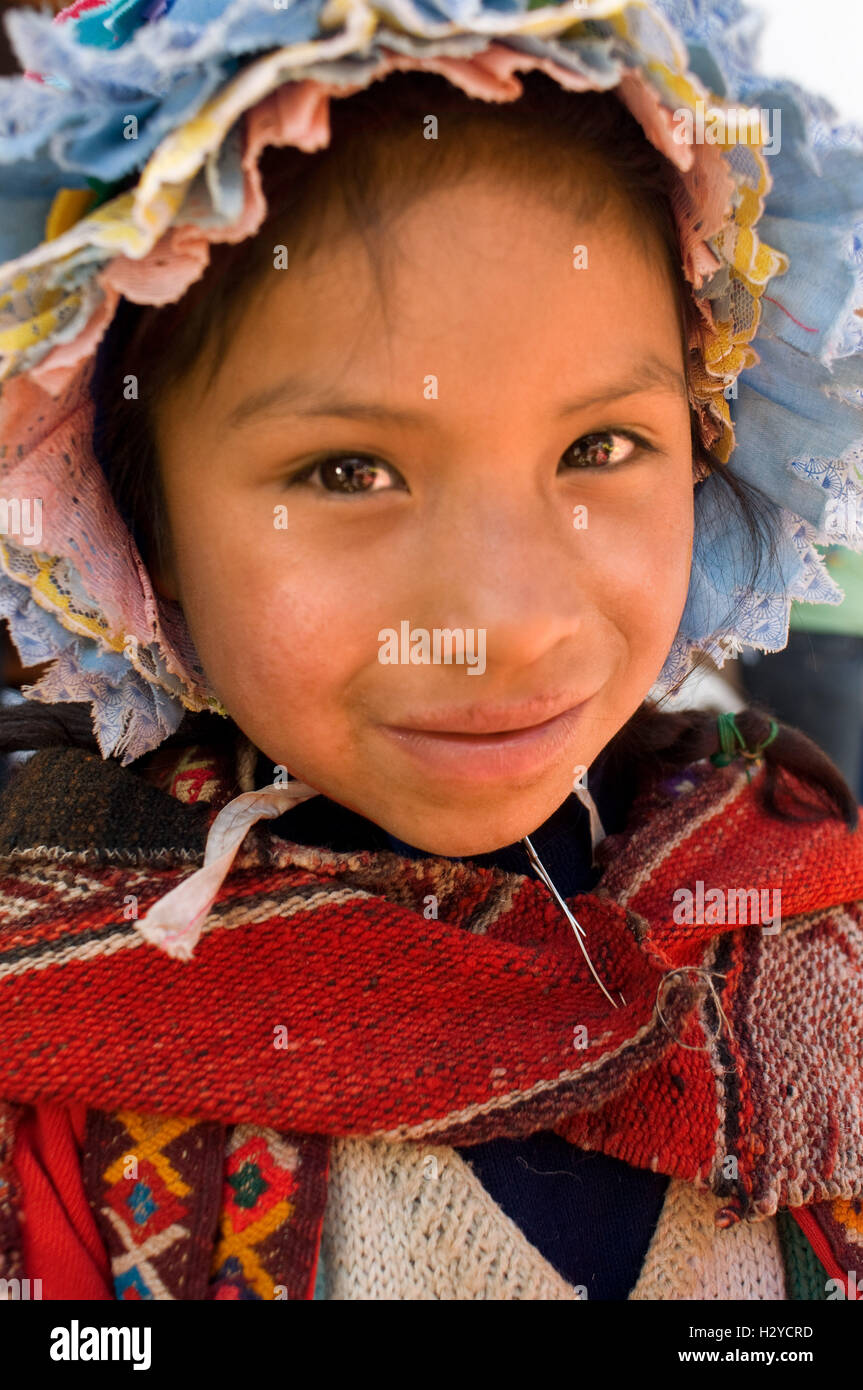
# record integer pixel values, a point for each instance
(501, 446)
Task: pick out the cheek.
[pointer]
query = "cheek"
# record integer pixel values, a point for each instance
(272, 614)
(643, 553)
(667, 549)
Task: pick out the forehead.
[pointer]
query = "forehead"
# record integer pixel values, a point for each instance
(480, 284)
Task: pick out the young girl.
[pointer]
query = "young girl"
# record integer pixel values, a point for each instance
(367, 930)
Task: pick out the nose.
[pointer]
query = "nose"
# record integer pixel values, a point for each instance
(508, 564)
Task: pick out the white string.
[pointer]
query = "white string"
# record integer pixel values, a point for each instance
(577, 928)
(597, 833)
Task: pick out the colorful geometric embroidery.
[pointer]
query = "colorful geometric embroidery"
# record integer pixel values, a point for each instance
(190, 1209)
(260, 1182)
(150, 1204)
(154, 1184)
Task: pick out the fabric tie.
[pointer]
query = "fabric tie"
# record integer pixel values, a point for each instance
(174, 922)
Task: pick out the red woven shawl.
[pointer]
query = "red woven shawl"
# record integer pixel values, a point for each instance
(368, 994)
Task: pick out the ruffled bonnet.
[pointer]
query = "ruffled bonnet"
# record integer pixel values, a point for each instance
(772, 241)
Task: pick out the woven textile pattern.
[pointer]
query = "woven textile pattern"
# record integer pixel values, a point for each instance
(335, 950)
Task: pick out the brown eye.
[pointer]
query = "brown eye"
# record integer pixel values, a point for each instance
(346, 473)
(601, 450)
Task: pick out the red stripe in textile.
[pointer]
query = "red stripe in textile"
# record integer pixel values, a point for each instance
(59, 1238)
(808, 1224)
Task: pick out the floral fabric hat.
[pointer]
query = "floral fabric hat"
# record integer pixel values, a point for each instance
(770, 213)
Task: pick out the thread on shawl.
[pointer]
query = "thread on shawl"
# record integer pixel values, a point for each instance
(708, 977)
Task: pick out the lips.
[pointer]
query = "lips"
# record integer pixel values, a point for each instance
(471, 758)
(491, 720)
(496, 735)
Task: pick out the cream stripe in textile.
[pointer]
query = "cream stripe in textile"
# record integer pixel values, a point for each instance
(413, 1222)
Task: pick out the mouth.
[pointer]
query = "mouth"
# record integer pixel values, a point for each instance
(469, 755)
(493, 719)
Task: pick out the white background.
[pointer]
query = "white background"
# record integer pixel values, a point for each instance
(818, 43)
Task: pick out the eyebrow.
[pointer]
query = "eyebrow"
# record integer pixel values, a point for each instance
(294, 395)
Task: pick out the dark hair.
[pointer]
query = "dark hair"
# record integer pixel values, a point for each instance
(545, 136)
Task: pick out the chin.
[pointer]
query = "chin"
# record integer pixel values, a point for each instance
(476, 834)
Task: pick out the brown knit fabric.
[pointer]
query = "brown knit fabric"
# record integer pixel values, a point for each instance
(75, 800)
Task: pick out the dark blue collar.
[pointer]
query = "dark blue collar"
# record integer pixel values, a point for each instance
(562, 842)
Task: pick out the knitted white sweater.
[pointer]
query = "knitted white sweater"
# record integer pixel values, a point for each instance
(406, 1222)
